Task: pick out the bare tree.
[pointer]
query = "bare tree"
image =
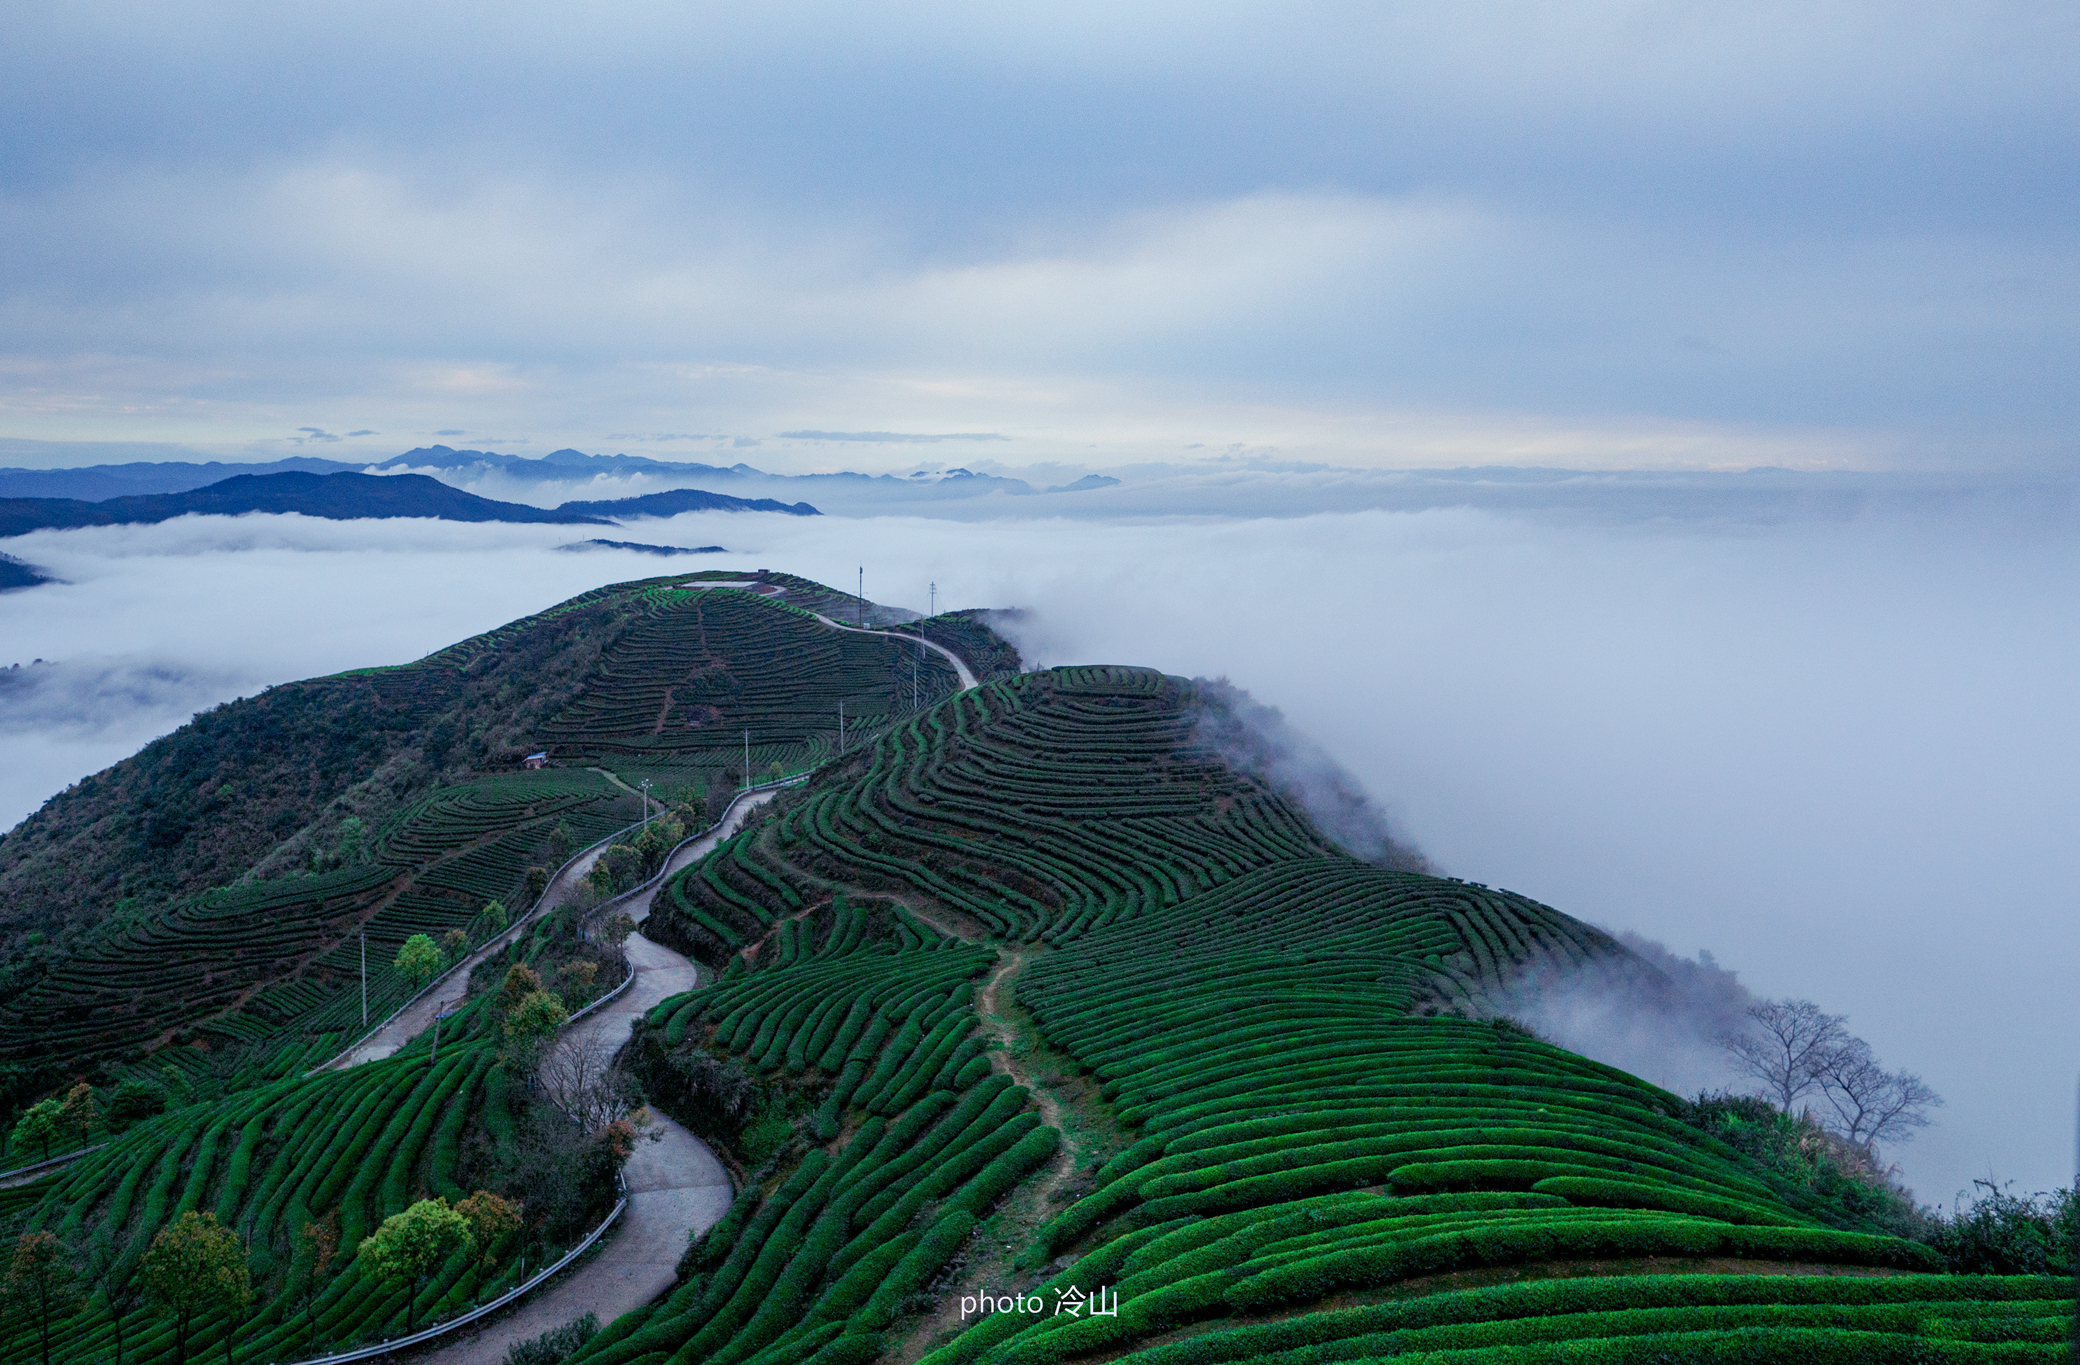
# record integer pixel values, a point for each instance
(1870, 1102)
(580, 1078)
(1788, 1047)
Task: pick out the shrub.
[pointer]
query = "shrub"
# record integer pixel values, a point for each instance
(554, 1346)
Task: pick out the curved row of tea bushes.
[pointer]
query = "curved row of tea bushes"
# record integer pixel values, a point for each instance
(699, 668)
(197, 965)
(819, 1260)
(1041, 806)
(359, 1144)
(1303, 1136)
(1672, 1317)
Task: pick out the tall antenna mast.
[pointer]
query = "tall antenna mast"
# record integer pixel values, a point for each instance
(935, 600)
(862, 596)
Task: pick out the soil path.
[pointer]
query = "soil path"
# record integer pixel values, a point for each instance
(967, 675)
(677, 1189)
(987, 1269)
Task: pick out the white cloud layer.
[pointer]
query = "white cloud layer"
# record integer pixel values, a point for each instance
(1837, 751)
(1109, 232)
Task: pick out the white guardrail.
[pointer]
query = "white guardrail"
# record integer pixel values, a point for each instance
(51, 1163)
(515, 1293)
(475, 1314)
(478, 954)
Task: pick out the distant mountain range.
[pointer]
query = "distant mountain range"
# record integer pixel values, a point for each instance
(346, 496)
(101, 482)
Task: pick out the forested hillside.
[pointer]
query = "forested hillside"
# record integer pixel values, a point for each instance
(1030, 1028)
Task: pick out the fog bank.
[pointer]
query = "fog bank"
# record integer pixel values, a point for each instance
(1839, 753)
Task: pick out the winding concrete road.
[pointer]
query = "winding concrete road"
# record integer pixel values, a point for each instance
(417, 1017)
(677, 1188)
(967, 675)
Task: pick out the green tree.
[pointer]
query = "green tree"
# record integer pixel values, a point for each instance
(418, 960)
(39, 1123)
(316, 1244)
(529, 1026)
(520, 982)
(491, 1220)
(352, 834)
(195, 1265)
(454, 944)
(39, 1279)
(131, 1101)
(79, 1112)
(409, 1246)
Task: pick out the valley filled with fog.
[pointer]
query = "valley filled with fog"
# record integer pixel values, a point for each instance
(1835, 751)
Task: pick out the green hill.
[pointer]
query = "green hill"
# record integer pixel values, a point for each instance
(1027, 996)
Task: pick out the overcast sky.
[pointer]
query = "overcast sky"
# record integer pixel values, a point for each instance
(1816, 235)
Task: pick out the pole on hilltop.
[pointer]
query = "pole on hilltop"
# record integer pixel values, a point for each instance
(935, 600)
(862, 594)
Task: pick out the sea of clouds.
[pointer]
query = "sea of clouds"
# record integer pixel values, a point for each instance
(1839, 751)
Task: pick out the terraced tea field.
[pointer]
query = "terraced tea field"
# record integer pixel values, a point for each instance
(1037, 1033)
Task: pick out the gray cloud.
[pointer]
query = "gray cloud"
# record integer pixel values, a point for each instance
(932, 223)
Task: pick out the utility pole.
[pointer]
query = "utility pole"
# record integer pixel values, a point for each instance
(747, 759)
(645, 786)
(935, 600)
(913, 678)
(862, 621)
(841, 727)
(434, 1057)
(364, 978)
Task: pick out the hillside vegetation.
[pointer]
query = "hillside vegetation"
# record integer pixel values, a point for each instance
(1038, 1031)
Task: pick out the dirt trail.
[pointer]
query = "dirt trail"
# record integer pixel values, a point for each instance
(989, 1265)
